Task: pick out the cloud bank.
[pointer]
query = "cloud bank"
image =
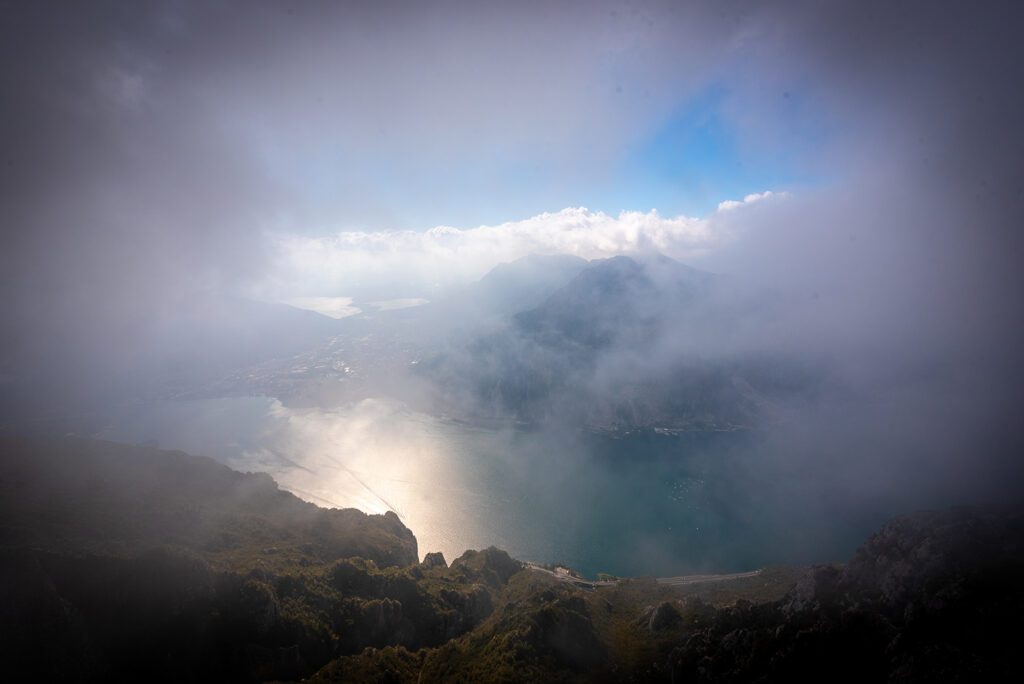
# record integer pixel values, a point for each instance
(149, 148)
(414, 263)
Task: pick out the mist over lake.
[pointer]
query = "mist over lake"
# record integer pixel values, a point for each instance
(605, 341)
(644, 503)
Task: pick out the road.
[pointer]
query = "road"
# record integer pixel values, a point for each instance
(685, 580)
(681, 581)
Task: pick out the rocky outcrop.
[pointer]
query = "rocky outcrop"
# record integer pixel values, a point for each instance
(548, 636)
(930, 597)
(105, 498)
(492, 566)
(664, 616)
(466, 609)
(564, 629)
(382, 619)
(817, 589)
(417, 606)
(912, 553)
(434, 560)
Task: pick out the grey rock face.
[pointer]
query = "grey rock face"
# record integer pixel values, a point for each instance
(818, 587)
(434, 560)
(666, 615)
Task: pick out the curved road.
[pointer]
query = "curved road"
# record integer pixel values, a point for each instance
(680, 581)
(700, 579)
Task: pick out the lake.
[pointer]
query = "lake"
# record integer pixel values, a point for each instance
(630, 505)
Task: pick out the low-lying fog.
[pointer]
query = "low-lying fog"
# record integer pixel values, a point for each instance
(346, 245)
(628, 502)
(650, 504)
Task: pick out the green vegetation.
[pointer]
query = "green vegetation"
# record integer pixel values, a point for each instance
(125, 563)
(85, 496)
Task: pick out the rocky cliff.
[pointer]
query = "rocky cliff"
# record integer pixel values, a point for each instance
(122, 563)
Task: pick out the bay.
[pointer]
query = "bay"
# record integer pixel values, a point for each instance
(629, 504)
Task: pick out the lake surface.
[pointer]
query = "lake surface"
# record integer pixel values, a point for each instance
(630, 505)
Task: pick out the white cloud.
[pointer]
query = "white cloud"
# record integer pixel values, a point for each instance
(729, 205)
(404, 264)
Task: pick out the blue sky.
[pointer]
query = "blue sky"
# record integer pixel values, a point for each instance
(694, 161)
(155, 150)
(684, 164)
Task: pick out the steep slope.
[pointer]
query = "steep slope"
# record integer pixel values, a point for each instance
(86, 496)
(370, 354)
(120, 563)
(628, 343)
(931, 597)
(616, 299)
(126, 563)
(523, 283)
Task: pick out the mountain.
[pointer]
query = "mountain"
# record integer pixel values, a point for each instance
(627, 343)
(216, 346)
(616, 299)
(504, 290)
(123, 563)
(523, 283)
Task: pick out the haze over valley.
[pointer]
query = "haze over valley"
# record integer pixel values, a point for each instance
(601, 299)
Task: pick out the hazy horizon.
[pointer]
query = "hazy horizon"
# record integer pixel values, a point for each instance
(319, 205)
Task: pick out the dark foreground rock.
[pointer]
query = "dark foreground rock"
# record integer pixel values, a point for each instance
(434, 560)
(88, 496)
(126, 564)
(930, 597)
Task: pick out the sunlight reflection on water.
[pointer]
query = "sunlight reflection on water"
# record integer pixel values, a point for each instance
(642, 505)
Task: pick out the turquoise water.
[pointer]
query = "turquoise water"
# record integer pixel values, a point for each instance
(630, 505)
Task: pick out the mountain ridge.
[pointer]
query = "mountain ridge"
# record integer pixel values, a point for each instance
(628, 343)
